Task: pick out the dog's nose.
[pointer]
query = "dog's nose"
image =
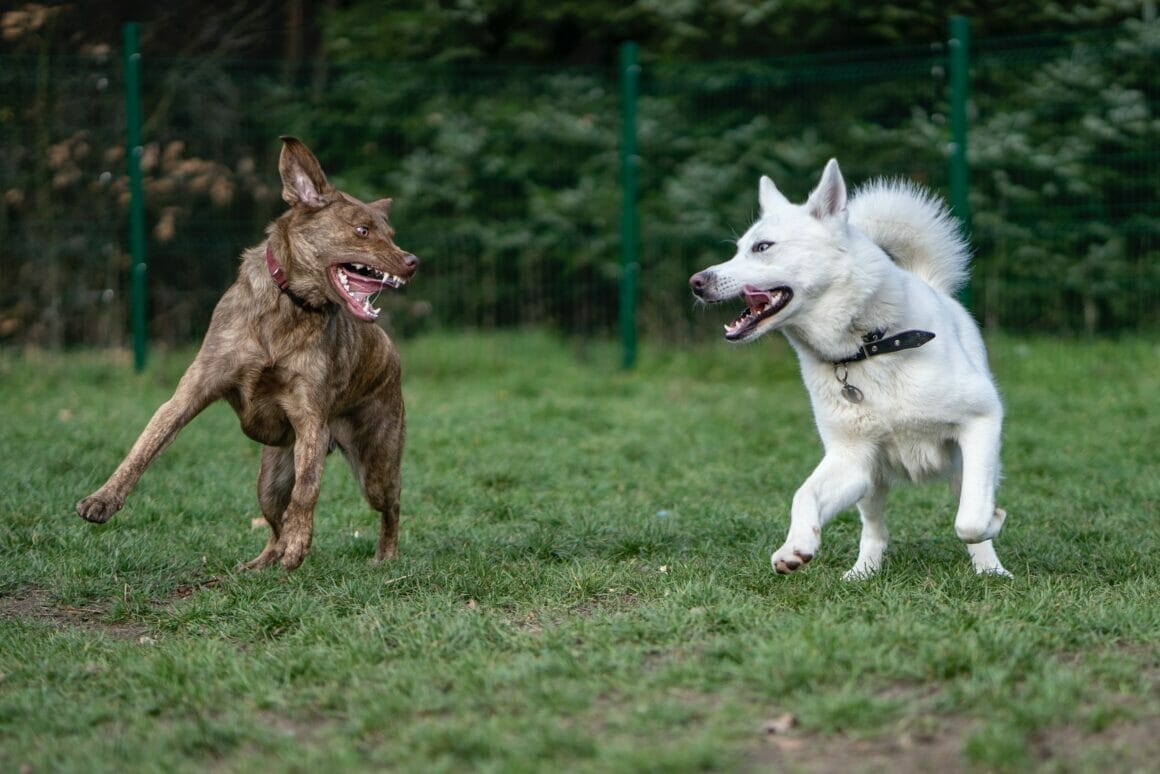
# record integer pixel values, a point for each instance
(699, 282)
(410, 261)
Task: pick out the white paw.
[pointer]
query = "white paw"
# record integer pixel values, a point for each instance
(860, 572)
(995, 569)
(790, 558)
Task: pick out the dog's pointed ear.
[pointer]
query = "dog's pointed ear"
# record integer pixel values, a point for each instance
(382, 207)
(768, 196)
(303, 181)
(829, 198)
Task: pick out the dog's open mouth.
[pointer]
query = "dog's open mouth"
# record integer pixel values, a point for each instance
(759, 305)
(357, 283)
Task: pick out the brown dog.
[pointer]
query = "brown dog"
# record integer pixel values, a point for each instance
(294, 349)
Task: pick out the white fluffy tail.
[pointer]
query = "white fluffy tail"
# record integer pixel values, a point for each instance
(916, 229)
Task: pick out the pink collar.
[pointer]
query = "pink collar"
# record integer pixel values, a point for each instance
(283, 284)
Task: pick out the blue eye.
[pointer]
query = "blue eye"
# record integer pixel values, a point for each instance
(761, 247)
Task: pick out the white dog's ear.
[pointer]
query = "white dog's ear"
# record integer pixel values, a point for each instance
(768, 196)
(829, 198)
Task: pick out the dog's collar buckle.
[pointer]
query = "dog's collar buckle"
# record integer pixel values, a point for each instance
(279, 276)
(873, 344)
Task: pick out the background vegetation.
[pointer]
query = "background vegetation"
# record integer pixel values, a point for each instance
(495, 124)
(583, 580)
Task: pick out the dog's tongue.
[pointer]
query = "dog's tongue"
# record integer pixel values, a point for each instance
(756, 298)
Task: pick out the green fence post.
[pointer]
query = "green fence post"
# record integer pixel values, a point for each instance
(629, 231)
(133, 151)
(959, 50)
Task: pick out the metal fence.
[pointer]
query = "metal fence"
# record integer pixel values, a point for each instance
(508, 182)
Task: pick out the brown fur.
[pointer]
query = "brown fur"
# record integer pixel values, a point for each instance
(303, 376)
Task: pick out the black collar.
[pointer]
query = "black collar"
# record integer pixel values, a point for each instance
(878, 343)
(283, 284)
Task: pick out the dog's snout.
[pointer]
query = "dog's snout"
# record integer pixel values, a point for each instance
(699, 282)
(410, 261)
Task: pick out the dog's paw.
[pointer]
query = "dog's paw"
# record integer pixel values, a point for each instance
(788, 559)
(294, 553)
(860, 573)
(97, 508)
(997, 570)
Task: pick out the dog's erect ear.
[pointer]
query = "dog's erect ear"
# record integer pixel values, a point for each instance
(382, 207)
(768, 196)
(829, 198)
(302, 179)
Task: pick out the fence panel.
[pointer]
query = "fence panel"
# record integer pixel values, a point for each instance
(506, 179)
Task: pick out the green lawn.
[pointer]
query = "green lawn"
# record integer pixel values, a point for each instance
(583, 579)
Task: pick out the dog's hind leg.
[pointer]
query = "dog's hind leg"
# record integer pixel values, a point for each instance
(978, 519)
(875, 536)
(838, 482)
(372, 441)
(275, 482)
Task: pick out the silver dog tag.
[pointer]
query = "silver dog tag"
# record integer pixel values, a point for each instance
(851, 393)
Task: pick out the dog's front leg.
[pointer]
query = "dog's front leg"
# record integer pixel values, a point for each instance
(312, 440)
(837, 483)
(194, 392)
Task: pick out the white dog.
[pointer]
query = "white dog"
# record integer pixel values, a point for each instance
(895, 367)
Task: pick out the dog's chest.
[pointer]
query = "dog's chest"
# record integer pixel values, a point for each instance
(909, 439)
(260, 402)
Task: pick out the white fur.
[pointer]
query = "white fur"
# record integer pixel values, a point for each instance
(927, 412)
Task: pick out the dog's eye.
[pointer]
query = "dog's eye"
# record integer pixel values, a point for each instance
(761, 247)
(362, 231)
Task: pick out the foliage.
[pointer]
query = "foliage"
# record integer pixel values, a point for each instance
(1063, 186)
(495, 125)
(583, 579)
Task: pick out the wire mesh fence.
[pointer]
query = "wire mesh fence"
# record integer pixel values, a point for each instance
(505, 179)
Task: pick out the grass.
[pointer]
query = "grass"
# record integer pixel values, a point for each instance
(582, 582)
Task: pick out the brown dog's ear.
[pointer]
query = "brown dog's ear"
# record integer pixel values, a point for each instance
(302, 179)
(382, 207)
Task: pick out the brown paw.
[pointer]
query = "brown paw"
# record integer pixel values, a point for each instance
(293, 555)
(97, 509)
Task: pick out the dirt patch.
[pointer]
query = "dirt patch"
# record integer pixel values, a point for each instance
(785, 749)
(34, 604)
(1128, 746)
